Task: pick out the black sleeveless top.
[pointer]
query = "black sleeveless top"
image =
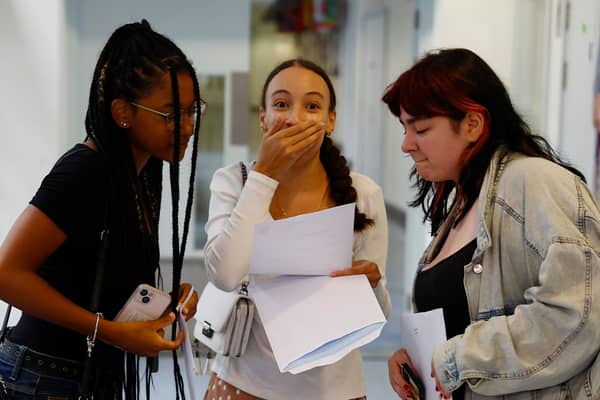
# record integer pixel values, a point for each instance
(442, 287)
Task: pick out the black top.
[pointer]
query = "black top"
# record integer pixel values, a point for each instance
(442, 287)
(73, 196)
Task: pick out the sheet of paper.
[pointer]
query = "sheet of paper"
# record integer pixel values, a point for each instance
(316, 320)
(188, 357)
(309, 244)
(421, 333)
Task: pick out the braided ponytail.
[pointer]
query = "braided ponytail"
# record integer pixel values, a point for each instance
(340, 182)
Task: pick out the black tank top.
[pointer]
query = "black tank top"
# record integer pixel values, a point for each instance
(442, 287)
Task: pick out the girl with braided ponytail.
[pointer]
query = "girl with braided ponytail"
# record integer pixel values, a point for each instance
(144, 107)
(299, 170)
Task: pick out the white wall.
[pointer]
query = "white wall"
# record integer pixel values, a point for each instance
(32, 102)
(352, 49)
(577, 140)
(374, 149)
(400, 54)
(508, 34)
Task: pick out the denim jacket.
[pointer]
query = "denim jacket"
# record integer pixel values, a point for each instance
(533, 288)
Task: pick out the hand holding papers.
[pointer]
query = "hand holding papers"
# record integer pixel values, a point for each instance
(312, 320)
(421, 333)
(309, 244)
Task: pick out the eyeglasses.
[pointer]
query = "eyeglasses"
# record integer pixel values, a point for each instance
(191, 113)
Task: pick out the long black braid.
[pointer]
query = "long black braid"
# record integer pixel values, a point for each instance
(335, 164)
(132, 62)
(179, 252)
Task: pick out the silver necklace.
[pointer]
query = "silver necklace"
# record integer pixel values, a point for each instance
(284, 214)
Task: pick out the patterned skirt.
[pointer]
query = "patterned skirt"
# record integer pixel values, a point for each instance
(218, 389)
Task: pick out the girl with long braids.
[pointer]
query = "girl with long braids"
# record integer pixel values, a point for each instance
(299, 170)
(144, 107)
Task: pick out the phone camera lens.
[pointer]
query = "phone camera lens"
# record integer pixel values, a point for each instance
(145, 299)
(143, 293)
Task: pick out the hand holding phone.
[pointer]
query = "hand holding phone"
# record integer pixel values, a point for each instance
(417, 387)
(146, 303)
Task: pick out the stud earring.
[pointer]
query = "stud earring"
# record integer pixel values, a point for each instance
(124, 124)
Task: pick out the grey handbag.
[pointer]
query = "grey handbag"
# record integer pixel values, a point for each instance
(224, 320)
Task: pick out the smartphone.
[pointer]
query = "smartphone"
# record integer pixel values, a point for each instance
(415, 382)
(145, 303)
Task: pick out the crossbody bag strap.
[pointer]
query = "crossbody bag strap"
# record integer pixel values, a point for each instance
(244, 173)
(5, 322)
(246, 282)
(85, 390)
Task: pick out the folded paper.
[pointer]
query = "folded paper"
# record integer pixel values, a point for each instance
(317, 320)
(309, 244)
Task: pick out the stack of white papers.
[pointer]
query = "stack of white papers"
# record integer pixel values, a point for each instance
(310, 318)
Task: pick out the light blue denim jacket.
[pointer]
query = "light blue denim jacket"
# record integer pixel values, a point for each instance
(533, 288)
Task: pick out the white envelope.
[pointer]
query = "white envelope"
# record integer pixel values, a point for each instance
(315, 321)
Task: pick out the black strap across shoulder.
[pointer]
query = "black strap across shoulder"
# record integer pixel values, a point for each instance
(244, 172)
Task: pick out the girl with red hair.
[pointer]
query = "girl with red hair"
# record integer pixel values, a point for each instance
(514, 262)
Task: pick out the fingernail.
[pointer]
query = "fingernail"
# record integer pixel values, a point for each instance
(406, 387)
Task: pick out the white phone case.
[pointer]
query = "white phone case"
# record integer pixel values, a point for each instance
(145, 303)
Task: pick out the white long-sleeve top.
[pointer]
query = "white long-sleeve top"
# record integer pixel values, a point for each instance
(233, 212)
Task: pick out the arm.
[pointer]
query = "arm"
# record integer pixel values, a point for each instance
(232, 214)
(373, 241)
(596, 109)
(400, 385)
(552, 336)
(233, 211)
(31, 240)
(596, 112)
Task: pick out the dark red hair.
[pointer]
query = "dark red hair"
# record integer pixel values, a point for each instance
(451, 83)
